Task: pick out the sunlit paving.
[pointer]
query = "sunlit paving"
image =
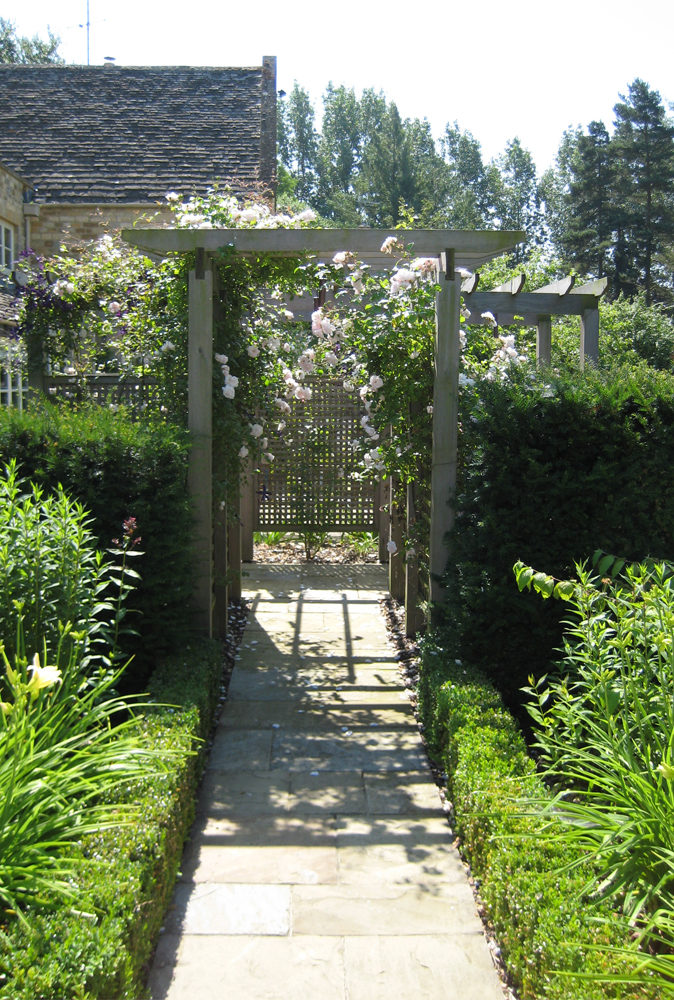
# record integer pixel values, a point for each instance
(321, 856)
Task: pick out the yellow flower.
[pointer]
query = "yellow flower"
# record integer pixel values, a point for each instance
(42, 677)
(666, 770)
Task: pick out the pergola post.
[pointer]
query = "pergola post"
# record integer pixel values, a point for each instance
(247, 512)
(200, 423)
(589, 336)
(544, 340)
(445, 419)
(383, 517)
(220, 567)
(396, 566)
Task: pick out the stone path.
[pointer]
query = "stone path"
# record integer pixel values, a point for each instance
(320, 866)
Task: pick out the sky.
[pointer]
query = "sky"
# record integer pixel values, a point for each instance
(529, 69)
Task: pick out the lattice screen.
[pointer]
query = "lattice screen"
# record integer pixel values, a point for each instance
(309, 485)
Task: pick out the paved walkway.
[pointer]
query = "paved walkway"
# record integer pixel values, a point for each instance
(320, 866)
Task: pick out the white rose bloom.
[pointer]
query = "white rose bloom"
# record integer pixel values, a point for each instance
(256, 430)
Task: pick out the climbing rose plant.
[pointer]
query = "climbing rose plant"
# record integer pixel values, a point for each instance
(112, 309)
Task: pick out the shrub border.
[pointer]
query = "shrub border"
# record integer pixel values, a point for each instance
(134, 869)
(545, 929)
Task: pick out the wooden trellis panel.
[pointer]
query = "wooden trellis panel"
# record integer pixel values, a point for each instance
(103, 389)
(309, 485)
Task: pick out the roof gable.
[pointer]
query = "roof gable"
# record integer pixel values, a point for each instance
(130, 134)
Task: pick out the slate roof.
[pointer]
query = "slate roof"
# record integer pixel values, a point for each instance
(130, 134)
(9, 309)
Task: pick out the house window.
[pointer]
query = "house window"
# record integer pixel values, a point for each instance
(6, 245)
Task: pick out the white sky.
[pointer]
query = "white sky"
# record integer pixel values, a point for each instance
(529, 68)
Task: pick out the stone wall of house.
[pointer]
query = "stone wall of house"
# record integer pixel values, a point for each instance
(71, 225)
(11, 204)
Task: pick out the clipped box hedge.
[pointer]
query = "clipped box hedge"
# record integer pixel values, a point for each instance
(551, 468)
(116, 468)
(546, 931)
(101, 952)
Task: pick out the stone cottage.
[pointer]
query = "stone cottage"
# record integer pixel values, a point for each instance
(85, 149)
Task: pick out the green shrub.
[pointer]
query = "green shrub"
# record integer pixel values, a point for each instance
(550, 469)
(117, 468)
(605, 733)
(59, 756)
(104, 944)
(531, 886)
(52, 576)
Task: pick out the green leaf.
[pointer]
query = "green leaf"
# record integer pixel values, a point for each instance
(565, 590)
(543, 584)
(605, 565)
(523, 575)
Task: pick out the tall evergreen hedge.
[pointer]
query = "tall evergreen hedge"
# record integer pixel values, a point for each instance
(119, 468)
(551, 469)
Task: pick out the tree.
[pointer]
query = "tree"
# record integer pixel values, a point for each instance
(554, 189)
(469, 199)
(298, 140)
(18, 49)
(339, 155)
(592, 216)
(517, 199)
(643, 147)
(401, 170)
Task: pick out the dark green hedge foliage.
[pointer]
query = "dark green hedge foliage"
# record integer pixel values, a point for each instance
(119, 468)
(545, 930)
(102, 952)
(549, 471)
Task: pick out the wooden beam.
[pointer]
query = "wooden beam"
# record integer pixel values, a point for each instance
(597, 287)
(445, 427)
(561, 287)
(514, 286)
(469, 285)
(534, 304)
(200, 423)
(471, 247)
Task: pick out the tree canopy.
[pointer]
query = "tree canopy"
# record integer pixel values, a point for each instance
(605, 209)
(22, 50)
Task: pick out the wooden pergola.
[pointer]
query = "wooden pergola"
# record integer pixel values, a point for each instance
(452, 248)
(512, 304)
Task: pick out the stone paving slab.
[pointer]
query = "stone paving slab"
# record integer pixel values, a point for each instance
(219, 909)
(428, 967)
(320, 865)
(239, 968)
(268, 865)
(347, 910)
(329, 716)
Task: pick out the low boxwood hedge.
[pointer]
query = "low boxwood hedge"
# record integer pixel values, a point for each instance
(546, 929)
(102, 949)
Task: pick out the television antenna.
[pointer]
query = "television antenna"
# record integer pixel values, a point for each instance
(88, 27)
